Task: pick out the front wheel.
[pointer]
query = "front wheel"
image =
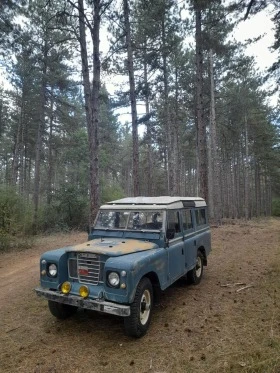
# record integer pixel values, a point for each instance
(137, 324)
(60, 310)
(195, 275)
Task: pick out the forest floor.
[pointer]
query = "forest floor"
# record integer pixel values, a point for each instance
(211, 327)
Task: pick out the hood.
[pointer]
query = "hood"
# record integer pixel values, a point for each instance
(113, 246)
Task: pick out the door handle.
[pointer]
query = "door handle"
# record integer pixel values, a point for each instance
(182, 251)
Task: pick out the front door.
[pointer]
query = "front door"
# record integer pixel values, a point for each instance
(176, 255)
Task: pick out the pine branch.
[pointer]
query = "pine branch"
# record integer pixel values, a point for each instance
(249, 6)
(87, 22)
(105, 7)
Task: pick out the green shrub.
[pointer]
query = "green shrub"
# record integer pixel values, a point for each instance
(15, 219)
(276, 207)
(68, 210)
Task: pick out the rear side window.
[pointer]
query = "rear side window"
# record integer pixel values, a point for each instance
(200, 217)
(187, 220)
(173, 223)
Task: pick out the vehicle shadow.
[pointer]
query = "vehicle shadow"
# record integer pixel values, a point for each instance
(108, 326)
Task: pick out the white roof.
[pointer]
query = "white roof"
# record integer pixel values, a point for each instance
(162, 202)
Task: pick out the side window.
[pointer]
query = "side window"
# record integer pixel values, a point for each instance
(173, 224)
(200, 217)
(187, 220)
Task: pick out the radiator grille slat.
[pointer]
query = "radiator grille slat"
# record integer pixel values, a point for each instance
(93, 268)
(88, 268)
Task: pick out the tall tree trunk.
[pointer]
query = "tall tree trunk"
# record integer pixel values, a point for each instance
(132, 94)
(200, 123)
(94, 147)
(177, 159)
(148, 125)
(50, 156)
(39, 141)
(214, 181)
(246, 172)
(22, 151)
(170, 135)
(269, 196)
(91, 101)
(15, 161)
(257, 187)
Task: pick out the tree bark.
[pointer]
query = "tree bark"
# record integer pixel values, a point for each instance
(91, 101)
(39, 141)
(200, 123)
(22, 151)
(50, 156)
(148, 126)
(177, 159)
(169, 133)
(15, 161)
(214, 180)
(257, 188)
(132, 94)
(246, 172)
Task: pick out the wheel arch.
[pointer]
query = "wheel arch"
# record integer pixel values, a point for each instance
(203, 252)
(153, 277)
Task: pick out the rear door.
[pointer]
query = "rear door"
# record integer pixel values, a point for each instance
(189, 238)
(176, 256)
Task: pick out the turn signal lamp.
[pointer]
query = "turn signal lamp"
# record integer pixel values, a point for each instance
(66, 287)
(84, 291)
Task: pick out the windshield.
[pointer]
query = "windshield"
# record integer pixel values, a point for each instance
(132, 220)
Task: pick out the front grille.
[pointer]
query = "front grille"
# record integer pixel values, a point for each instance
(87, 268)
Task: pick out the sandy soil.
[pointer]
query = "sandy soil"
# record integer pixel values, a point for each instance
(211, 327)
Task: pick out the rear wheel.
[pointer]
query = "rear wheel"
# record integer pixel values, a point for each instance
(137, 324)
(195, 275)
(60, 310)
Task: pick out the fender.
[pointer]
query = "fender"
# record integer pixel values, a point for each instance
(137, 265)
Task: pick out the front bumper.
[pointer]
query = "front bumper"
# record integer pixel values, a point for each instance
(89, 304)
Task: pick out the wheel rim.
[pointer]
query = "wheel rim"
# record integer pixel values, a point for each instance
(198, 267)
(145, 307)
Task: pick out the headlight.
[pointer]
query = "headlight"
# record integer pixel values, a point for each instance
(52, 269)
(114, 279)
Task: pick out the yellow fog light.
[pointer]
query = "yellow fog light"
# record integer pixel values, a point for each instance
(84, 292)
(66, 287)
(123, 286)
(44, 272)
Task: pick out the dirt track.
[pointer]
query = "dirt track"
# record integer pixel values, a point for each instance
(205, 328)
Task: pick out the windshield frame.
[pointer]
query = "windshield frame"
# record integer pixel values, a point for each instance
(162, 229)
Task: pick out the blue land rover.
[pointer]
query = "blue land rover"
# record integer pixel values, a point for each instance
(137, 247)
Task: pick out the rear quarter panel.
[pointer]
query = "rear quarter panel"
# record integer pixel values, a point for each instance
(203, 239)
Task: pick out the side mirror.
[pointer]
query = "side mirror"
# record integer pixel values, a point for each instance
(170, 233)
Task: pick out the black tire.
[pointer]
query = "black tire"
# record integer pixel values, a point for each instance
(194, 276)
(137, 324)
(61, 311)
